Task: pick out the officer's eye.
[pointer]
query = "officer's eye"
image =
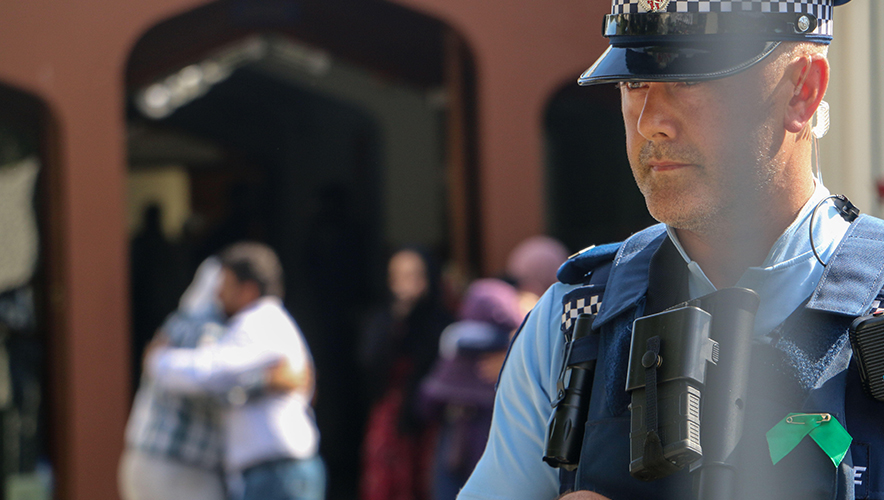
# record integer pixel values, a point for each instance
(632, 85)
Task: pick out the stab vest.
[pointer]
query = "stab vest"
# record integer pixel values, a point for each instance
(804, 365)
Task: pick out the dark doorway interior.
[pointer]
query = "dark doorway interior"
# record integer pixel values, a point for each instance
(299, 172)
(593, 198)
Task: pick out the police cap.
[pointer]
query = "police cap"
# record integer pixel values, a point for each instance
(696, 40)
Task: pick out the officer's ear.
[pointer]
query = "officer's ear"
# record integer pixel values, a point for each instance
(809, 76)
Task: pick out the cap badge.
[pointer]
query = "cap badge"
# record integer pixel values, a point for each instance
(653, 5)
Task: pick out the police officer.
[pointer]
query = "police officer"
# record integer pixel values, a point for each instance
(718, 99)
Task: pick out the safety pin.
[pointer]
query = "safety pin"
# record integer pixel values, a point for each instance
(824, 417)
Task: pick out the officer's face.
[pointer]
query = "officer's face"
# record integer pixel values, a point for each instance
(703, 151)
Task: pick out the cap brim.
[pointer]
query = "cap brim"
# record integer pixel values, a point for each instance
(675, 62)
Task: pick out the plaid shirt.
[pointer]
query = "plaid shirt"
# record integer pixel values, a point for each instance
(178, 427)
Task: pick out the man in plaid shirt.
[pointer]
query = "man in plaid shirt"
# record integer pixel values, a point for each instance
(174, 444)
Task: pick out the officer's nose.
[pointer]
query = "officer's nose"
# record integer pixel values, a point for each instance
(656, 120)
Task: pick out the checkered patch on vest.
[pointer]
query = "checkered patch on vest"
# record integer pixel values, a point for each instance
(584, 300)
(877, 307)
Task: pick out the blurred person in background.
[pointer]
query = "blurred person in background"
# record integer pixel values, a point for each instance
(270, 437)
(157, 276)
(174, 443)
(398, 349)
(532, 265)
(459, 392)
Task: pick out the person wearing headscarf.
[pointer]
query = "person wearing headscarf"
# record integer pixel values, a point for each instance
(532, 265)
(398, 349)
(459, 392)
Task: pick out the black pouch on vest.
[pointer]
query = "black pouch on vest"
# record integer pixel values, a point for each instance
(666, 375)
(669, 386)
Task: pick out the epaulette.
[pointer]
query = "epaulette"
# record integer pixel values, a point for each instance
(579, 266)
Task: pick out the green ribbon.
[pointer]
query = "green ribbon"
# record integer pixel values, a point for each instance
(825, 429)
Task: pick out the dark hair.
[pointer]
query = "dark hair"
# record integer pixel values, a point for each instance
(255, 262)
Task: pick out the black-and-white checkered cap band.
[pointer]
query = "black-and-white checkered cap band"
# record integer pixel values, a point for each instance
(821, 9)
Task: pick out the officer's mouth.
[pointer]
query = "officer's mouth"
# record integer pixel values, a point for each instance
(668, 166)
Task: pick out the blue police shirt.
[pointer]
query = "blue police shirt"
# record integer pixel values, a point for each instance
(790, 272)
(511, 467)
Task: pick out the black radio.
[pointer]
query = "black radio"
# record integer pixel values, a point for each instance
(690, 360)
(666, 378)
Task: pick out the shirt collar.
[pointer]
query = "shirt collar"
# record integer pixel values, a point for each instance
(255, 305)
(794, 243)
(790, 271)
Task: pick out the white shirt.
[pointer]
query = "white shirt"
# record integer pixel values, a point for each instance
(271, 426)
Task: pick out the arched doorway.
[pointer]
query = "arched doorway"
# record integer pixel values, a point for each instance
(29, 378)
(317, 129)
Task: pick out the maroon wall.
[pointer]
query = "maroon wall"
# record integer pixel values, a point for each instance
(72, 56)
